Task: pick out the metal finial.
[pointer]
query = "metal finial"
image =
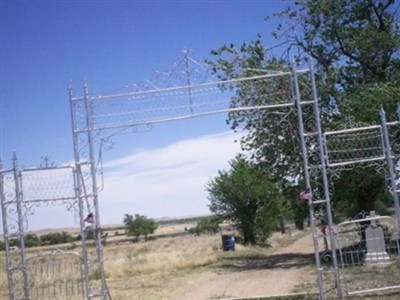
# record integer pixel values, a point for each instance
(70, 89)
(85, 87)
(14, 159)
(186, 52)
(46, 160)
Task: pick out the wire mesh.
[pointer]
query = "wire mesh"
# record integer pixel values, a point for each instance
(354, 146)
(145, 107)
(48, 184)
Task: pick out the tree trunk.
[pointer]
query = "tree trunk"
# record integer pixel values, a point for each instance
(282, 225)
(299, 223)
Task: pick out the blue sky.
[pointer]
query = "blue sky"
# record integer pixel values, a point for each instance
(45, 45)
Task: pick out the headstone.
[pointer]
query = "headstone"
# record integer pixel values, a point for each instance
(376, 250)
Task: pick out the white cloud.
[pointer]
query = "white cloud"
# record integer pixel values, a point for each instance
(166, 181)
(160, 182)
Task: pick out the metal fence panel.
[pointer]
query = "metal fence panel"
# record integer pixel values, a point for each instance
(369, 252)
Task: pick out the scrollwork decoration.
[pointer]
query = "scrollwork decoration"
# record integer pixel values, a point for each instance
(186, 72)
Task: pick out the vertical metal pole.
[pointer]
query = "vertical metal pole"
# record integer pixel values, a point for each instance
(188, 73)
(388, 154)
(79, 193)
(5, 233)
(323, 157)
(97, 228)
(18, 197)
(297, 100)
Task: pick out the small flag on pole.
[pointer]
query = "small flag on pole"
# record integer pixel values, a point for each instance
(306, 194)
(89, 218)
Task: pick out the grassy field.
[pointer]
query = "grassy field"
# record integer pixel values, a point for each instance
(151, 270)
(155, 269)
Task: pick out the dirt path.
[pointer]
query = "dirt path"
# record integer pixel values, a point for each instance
(276, 274)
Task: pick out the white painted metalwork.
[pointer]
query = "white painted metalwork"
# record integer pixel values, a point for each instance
(184, 102)
(316, 148)
(22, 192)
(55, 275)
(188, 91)
(181, 93)
(326, 154)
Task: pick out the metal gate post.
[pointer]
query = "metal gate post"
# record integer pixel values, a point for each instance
(97, 228)
(323, 160)
(5, 233)
(80, 194)
(297, 100)
(82, 131)
(15, 292)
(388, 153)
(18, 195)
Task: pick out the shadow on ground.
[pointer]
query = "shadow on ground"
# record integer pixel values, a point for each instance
(257, 262)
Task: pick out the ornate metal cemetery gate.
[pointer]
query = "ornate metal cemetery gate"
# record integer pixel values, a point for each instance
(52, 274)
(187, 92)
(326, 155)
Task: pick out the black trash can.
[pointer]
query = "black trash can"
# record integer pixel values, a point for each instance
(228, 242)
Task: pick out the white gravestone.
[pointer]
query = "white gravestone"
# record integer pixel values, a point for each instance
(376, 250)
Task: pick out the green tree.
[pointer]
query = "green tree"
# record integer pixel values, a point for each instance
(245, 196)
(31, 240)
(54, 238)
(272, 135)
(354, 42)
(15, 242)
(356, 46)
(139, 225)
(91, 234)
(206, 225)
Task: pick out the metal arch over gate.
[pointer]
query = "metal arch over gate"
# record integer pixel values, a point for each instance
(187, 92)
(184, 92)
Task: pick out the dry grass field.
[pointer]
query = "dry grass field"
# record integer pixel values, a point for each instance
(3, 277)
(153, 269)
(175, 268)
(170, 267)
(195, 267)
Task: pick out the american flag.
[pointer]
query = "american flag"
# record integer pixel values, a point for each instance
(306, 194)
(89, 218)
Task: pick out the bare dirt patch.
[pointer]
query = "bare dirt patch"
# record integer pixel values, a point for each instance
(254, 275)
(195, 267)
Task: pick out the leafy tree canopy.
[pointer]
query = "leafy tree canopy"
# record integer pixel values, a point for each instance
(139, 225)
(246, 196)
(354, 42)
(206, 225)
(356, 45)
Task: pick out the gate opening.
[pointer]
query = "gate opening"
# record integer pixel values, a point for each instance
(187, 92)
